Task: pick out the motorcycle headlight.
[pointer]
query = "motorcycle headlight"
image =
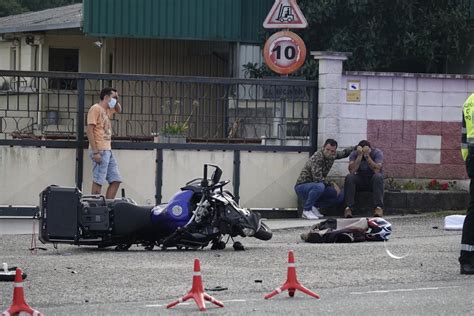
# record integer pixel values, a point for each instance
(248, 231)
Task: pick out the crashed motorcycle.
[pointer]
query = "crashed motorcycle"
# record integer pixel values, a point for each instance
(201, 213)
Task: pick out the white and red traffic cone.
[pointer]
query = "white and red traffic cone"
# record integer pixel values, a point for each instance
(197, 291)
(291, 283)
(19, 304)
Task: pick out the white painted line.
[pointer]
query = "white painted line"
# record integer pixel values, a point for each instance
(406, 290)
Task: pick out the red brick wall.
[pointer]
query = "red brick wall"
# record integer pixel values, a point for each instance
(397, 140)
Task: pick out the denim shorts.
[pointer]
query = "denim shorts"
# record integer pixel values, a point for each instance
(106, 170)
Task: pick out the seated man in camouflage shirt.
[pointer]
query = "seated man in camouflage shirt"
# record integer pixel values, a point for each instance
(312, 184)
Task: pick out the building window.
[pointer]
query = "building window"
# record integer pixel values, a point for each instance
(67, 60)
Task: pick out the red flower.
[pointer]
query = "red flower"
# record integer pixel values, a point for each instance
(444, 186)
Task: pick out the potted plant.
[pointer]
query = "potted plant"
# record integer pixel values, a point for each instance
(175, 131)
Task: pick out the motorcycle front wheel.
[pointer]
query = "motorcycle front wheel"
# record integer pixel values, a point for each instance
(264, 232)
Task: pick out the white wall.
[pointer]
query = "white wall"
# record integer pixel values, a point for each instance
(89, 54)
(26, 171)
(181, 166)
(266, 179)
(414, 118)
(5, 55)
(137, 169)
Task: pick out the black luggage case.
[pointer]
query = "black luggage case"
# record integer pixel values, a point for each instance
(59, 212)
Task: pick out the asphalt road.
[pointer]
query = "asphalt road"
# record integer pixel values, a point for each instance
(356, 279)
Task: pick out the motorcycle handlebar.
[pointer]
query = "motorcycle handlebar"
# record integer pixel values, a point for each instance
(195, 179)
(219, 184)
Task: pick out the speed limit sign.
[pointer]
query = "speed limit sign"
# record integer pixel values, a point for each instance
(284, 52)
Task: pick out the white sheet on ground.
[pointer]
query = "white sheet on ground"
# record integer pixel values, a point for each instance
(454, 222)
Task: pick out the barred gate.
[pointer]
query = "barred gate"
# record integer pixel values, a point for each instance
(49, 109)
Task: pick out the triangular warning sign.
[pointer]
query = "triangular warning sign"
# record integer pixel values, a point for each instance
(285, 14)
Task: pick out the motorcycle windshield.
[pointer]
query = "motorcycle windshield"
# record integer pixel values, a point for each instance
(176, 213)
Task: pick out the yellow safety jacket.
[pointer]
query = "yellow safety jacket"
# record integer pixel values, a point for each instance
(467, 132)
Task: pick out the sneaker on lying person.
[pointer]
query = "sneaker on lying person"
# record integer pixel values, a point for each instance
(308, 215)
(316, 212)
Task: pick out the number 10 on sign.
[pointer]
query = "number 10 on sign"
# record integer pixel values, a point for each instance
(284, 52)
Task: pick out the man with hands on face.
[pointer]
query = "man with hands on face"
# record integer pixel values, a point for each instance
(365, 174)
(99, 134)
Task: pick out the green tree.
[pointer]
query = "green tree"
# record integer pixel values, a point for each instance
(396, 35)
(10, 7)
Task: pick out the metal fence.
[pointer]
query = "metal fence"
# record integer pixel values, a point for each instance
(50, 109)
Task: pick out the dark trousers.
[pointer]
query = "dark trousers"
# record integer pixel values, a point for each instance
(467, 239)
(356, 182)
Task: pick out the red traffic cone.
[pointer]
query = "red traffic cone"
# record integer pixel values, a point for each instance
(19, 304)
(291, 283)
(197, 291)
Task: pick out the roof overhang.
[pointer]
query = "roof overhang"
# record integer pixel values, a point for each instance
(37, 28)
(67, 17)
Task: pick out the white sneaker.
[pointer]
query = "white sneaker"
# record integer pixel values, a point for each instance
(309, 215)
(316, 212)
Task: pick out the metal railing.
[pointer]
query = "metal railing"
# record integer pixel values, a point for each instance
(42, 105)
(50, 109)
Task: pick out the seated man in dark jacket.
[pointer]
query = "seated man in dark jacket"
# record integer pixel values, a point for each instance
(365, 174)
(312, 184)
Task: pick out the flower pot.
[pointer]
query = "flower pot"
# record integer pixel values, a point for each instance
(175, 139)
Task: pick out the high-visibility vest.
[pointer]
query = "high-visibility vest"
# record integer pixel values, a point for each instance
(467, 133)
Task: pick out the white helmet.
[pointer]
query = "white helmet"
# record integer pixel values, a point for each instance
(379, 229)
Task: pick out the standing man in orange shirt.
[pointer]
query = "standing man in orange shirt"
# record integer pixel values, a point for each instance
(99, 133)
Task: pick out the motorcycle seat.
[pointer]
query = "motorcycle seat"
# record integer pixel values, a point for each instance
(130, 218)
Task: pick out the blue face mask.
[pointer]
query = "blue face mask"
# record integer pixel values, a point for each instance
(112, 103)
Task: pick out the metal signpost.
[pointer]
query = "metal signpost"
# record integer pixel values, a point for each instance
(284, 52)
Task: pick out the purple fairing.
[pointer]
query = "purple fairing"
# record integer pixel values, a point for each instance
(174, 214)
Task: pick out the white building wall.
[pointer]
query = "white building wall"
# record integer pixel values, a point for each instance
(400, 113)
(5, 48)
(89, 54)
